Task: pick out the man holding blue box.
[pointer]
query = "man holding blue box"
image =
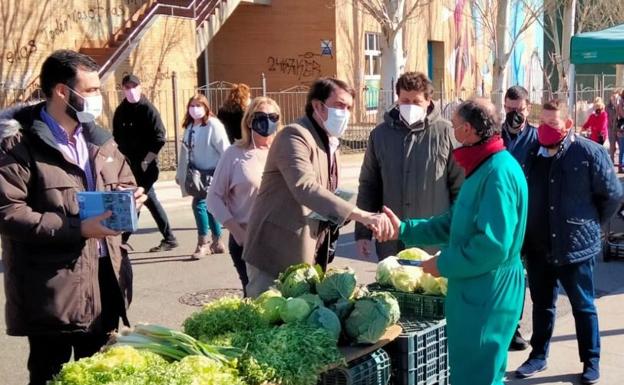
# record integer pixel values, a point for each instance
(67, 280)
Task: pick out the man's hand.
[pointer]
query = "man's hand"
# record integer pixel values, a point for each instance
(149, 158)
(93, 227)
(139, 197)
(431, 266)
(364, 247)
(393, 232)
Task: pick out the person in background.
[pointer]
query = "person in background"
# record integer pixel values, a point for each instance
(613, 128)
(67, 281)
(481, 237)
(140, 134)
(619, 123)
(301, 177)
(573, 191)
(237, 178)
(408, 164)
(598, 123)
(519, 136)
(204, 142)
(231, 112)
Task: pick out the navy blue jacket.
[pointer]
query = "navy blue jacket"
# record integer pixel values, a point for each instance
(584, 193)
(520, 145)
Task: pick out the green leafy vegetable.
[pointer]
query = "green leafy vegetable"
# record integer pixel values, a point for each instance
(342, 308)
(326, 319)
(312, 299)
(294, 310)
(371, 317)
(384, 270)
(291, 354)
(337, 284)
(222, 316)
(414, 253)
(406, 278)
(297, 280)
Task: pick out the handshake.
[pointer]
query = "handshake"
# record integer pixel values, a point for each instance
(384, 225)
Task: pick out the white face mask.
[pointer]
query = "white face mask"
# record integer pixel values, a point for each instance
(133, 95)
(91, 110)
(412, 113)
(337, 121)
(197, 112)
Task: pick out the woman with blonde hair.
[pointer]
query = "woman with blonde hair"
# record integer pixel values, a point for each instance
(203, 144)
(239, 172)
(231, 113)
(598, 123)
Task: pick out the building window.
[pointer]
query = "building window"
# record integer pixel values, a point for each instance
(372, 70)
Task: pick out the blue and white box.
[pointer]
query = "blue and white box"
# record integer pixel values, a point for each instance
(120, 203)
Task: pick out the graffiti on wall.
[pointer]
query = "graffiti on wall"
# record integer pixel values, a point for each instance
(18, 53)
(79, 17)
(303, 66)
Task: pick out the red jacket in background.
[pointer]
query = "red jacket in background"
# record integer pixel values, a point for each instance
(598, 124)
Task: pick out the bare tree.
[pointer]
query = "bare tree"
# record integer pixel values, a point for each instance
(562, 17)
(493, 15)
(392, 15)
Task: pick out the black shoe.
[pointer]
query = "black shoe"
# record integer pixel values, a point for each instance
(591, 374)
(164, 246)
(517, 342)
(531, 367)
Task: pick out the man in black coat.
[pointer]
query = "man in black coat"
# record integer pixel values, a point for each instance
(140, 134)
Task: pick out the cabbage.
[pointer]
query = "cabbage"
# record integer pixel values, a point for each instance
(371, 317)
(342, 308)
(337, 284)
(294, 310)
(323, 318)
(406, 278)
(430, 284)
(298, 279)
(270, 309)
(414, 254)
(312, 299)
(272, 292)
(384, 270)
(443, 285)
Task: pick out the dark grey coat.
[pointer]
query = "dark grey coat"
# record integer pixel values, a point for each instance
(409, 169)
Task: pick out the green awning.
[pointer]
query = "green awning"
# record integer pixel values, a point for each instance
(599, 47)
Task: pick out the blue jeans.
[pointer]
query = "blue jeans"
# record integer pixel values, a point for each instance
(204, 219)
(577, 280)
(621, 150)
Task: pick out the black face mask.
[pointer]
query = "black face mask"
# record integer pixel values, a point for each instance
(265, 124)
(514, 121)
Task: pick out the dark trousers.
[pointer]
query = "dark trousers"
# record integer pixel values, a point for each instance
(160, 217)
(577, 280)
(236, 252)
(50, 351)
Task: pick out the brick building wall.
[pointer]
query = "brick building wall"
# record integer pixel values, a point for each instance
(282, 40)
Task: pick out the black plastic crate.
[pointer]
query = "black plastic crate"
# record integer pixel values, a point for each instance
(415, 305)
(372, 369)
(419, 355)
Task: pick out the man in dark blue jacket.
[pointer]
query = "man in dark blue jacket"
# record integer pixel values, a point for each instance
(573, 190)
(519, 137)
(518, 134)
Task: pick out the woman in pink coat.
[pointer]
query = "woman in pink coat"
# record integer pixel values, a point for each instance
(598, 122)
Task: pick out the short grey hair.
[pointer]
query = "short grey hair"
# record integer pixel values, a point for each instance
(481, 115)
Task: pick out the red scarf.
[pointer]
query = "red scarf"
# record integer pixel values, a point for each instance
(471, 157)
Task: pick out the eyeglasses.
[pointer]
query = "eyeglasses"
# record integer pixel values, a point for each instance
(272, 116)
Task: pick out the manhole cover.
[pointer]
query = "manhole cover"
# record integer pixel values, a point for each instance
(203, 297)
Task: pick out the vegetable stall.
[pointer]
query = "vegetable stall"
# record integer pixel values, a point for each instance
(310, 328)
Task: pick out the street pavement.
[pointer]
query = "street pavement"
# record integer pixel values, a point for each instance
(165, 282)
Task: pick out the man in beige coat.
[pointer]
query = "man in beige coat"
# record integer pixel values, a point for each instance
(300, 177)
